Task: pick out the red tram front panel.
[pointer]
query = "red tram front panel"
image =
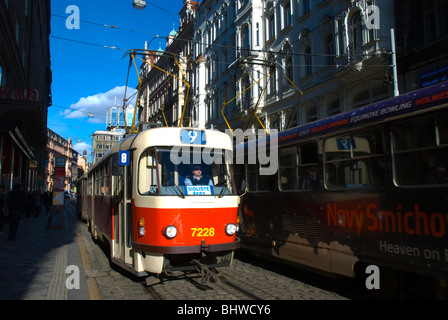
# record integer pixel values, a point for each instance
(198, 229)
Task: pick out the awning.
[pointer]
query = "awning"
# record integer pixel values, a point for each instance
(17, 136)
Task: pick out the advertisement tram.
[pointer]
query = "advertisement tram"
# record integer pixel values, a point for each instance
(366, 187)
(143, 200)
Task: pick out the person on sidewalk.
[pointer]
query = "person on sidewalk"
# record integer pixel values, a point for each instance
(16, 206)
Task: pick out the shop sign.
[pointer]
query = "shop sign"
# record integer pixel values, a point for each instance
(19, 94)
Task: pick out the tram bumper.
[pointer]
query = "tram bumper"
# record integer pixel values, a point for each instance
(203, 247)
(157, 259)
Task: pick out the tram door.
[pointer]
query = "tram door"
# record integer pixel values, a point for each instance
(123, 215)
(118, 213)
(127, 215)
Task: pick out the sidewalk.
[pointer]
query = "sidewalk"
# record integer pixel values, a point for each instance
(33, 266)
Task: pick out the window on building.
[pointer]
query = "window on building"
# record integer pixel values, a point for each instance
(329, 50)
(308, 61)
(286, 10)
(257, 34)
(245, 41)
(340, 34)
(311, 114)
(356, 28)
(270, 25)
(272, 87)
(2, 74)
(289, 71)
(334, 108)
(306, 7)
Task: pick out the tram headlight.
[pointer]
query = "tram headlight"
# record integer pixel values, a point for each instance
(230, 229)
(171, 232)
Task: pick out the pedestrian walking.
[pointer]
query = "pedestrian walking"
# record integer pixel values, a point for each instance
(16, 206)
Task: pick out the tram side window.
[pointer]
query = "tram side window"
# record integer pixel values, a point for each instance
(108, 178)
(238, 172)
(355, 160)
(288, 168)
(147, 173)
(309, 175)
(102, 179)
(298, 167)
(424, 160)
(258, 182)
(97, 182)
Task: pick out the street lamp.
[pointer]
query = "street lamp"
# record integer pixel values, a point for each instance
(139, 4)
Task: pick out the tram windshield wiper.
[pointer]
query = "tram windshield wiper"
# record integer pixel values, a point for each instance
(178, 191)
(221, 194)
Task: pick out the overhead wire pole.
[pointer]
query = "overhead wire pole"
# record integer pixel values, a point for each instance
(133, 54)
(273, 67)
(394, 62)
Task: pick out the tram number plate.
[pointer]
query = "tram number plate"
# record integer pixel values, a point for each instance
(203, 232)
(192, 136)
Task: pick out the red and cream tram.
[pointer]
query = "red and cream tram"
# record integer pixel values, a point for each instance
(138, 200)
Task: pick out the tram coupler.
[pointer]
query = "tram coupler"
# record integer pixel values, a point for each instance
(206, 273)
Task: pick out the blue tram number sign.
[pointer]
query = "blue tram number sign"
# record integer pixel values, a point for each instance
(123, 158)
(192, 136)
(346, 144)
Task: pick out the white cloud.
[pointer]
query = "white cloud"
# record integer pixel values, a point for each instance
(81, 146)
(98, 104)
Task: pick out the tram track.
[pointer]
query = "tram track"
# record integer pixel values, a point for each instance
(215, 287)
(248, 293)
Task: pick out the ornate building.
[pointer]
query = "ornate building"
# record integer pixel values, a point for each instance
(165, 98)
(25, 92)
(331, 56)
(60, 147)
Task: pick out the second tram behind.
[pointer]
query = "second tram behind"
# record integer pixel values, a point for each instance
(365, 187)
(136, 198)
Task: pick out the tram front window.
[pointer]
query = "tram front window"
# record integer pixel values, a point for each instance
(166, 172)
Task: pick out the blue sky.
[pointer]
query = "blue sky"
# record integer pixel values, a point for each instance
(87, 77)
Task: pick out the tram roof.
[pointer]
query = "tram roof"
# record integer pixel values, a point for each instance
(421, 100)
(169, 136)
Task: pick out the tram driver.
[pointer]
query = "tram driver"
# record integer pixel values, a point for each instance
(198, 178)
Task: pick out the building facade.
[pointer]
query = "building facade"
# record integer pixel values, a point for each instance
(278, 64)
(57, 147)
(166, 95)
(421, 43)
(115, 118)
(334, 52)
(25, 91)
(103, 141)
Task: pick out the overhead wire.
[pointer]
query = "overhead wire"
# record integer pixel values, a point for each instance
(171, 14)
(201, 43)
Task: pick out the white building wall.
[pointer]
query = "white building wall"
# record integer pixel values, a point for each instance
(312, 41)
